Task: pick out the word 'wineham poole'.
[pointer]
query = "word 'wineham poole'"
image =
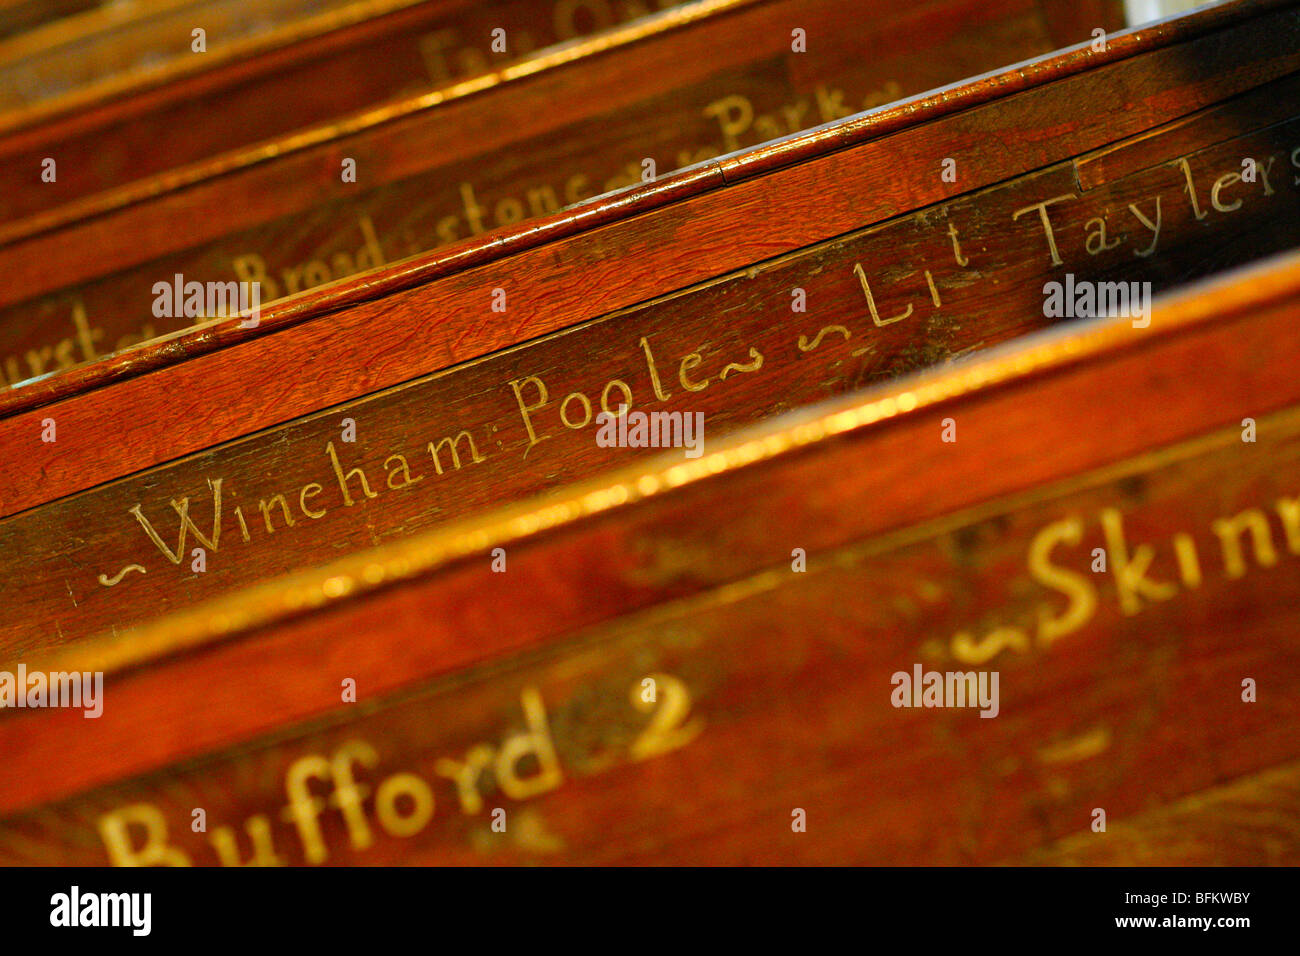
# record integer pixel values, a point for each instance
(354, 487)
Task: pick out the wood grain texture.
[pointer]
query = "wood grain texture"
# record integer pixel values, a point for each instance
(1252, 821)
(578, 275)
(372, 53)
(20, 16)
(464, 161)
(103, 52)
(957, 277)
(778, 681)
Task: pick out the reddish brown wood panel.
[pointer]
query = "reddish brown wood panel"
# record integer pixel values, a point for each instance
(1247, 822)
(962, 276)
(281, 215)
(1098, 397)
(122, 47)
(775, 686)
(354, 66)
(583, 276)
(20, 16)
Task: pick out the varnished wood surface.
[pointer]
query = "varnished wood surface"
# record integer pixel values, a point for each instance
(20, 16)
(522, 421)
(1253, 821)
(590, 246)
(349, 59)
(99, 53)
(683, 569)
(521, 142)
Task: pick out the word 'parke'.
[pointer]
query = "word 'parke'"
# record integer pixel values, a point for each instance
(306, 214)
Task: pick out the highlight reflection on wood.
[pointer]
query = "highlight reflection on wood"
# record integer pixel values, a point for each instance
(480, 427)
(975, 542)
(772, 674)
(456, 164)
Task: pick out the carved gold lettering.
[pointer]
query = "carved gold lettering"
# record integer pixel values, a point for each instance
(397, 790)
(625, 402)
(453, 444)
(343, 479)
(586, 410)
(960, 259)
(526, 410)
(689, 362)
(735, 114)
(1096, 242)
(1288, 510)
(1230, 531)
(1224, 181)
(1076, 587)
(524, 766)
(1190, 188)
(671, 726)
(1189, 564)
(536, 742)
(871, 300)
(1153, 226)
(1046, 221)
(660, 394)
(465, 774)
(226, 844)
(971, 650)
(115, 830)
(311, 489)
(266, 511)
(755, 363)
(304, 807)
(182, 509)
(1130, 572)
(1265, 169)
(402, 471)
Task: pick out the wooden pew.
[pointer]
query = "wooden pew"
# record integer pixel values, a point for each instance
(81, 278)
(702, 661)
(20, 16)
(447, 418)
(349, 57)
(98, 53)
(1253, 821)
